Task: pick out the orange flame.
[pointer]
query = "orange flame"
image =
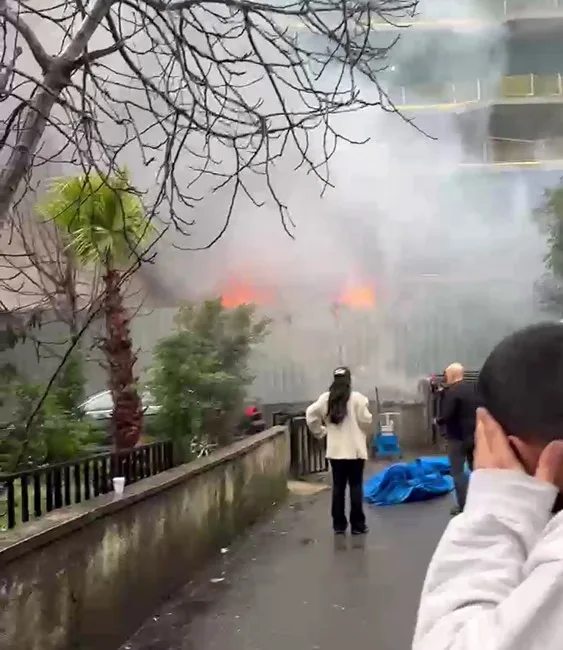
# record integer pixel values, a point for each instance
(360, 297)
(238, 293)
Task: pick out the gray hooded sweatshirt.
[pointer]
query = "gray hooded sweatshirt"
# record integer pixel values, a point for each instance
(496, 579)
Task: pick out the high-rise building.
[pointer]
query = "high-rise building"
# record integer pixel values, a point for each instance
(496, 64)
(484, 79)
(442, 213)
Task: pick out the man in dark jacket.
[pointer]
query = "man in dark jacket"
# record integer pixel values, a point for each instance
(457, 415)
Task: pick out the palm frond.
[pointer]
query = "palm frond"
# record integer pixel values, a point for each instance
(101, 217)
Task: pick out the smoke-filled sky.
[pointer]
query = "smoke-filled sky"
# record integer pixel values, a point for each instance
(450, 251)
(402, 215)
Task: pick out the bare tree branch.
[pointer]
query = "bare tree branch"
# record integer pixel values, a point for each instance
(37, 268)
(7, 71)
(25, 31)
(207, 95)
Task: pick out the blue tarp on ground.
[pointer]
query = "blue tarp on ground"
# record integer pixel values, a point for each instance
(420, 480)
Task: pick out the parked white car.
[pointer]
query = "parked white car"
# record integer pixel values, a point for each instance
(99, 407)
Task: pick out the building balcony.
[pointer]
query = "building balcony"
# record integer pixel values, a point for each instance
(527, 107)
(492, 11)
(495, 154)
(461, 96)
(519, 9)
(519, 153)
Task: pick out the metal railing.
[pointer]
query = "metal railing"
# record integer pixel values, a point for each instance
(32, 493)
(493, 9)
(446, 95)
(308, 454)
(511, 150)
(527, 7)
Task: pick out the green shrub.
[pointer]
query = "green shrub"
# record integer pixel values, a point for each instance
(69, 384)
(57, 431)
(54, 435)
(200, 373)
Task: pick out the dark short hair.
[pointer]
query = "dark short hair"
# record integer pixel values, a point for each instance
(521, 383)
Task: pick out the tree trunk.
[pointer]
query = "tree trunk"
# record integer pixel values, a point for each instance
(56, 77)
(21, 154)
(127, 418)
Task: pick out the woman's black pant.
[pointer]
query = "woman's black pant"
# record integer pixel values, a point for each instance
(348, 472)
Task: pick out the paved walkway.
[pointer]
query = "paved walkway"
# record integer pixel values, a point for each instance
(291, 586)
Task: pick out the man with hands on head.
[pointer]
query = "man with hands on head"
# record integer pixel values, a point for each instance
(496, 579)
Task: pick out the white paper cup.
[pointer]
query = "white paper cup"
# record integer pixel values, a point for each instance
(118, 484)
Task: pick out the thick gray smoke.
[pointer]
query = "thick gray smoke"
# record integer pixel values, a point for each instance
(450, 247)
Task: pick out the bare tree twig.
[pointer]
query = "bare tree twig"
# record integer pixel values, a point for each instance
(25, 31)
(206, 95)
(39, 270)
(7, 71)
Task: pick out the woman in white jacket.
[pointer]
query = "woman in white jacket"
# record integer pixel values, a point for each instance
(342, 416)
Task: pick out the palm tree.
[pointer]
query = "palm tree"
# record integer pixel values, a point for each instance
(104, 225)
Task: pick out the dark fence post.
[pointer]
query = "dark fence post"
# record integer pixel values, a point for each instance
(37, 505)
(96, 478)
(24, 498)
(104, 482)
(307, 453)
(294, 446)
(86, 480)
(305, 456)
(169, 454)
(58, 488)
(48, 491)
(77, 484)
(67, 486)
(11, 503)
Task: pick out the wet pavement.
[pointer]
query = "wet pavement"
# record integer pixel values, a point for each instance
(290, 585)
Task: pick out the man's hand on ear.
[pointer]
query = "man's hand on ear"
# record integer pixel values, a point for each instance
(492, 446)
(550, 464)
(494, 451)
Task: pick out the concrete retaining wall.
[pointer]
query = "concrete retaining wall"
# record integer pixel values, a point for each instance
(86, 577)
